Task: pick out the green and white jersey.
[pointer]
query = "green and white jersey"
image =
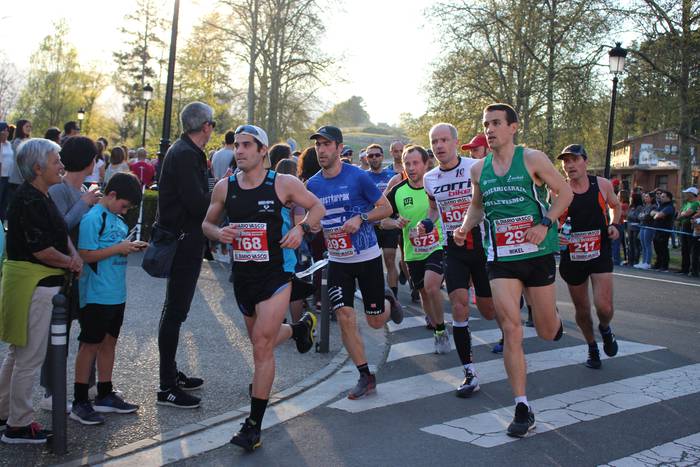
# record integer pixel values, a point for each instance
(412, 204)
(513, 203)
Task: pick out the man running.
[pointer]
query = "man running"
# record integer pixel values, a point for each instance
(387, 238)
(510, 188)
(353, 203)
(449, 188)
(396, 151)
(256, 201)
(588, 252)
(423, 253)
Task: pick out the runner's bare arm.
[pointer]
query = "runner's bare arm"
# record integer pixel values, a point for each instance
(292, 190)
(541, 168)
(475, 213)
(210, 226)
(613, 202)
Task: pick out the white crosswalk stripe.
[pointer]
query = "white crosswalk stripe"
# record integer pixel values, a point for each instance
(443, 381)
(682, 451)
(488, 429)
(426, 346)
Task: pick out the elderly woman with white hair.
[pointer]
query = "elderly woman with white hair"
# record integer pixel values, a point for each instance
(39, 253)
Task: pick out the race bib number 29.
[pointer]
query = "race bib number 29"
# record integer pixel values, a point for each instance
(510, 236)
(251, 244)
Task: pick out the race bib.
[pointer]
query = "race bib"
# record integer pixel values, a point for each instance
(584, 246)
(510, 236)
(423, 243)
(453, 212)
(338, 242)
(251, 244)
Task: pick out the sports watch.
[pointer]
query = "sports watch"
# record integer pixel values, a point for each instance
(546, 221)
(364, 217)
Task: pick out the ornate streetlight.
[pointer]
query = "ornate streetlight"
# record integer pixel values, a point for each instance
(616, 62)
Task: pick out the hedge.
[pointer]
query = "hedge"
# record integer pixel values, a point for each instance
(150, 204)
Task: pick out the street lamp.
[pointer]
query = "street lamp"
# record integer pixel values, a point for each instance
(147, 96)
(81, 116)
(616, 62)
(168, 104)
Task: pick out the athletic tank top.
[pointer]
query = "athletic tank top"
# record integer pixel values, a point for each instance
(452, 191)
(263, 221)
(589, 224)
(513, 203)
(412, 204)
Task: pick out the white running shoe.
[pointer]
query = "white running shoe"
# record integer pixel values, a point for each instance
(47, 401)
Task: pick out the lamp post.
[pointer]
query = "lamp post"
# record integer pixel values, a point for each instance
(81, 116)
(168, 106)
(147, 96)
(616, 62)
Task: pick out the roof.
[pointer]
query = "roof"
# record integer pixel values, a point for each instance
(622, 142)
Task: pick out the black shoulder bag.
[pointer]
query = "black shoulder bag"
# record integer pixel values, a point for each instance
(158, 259)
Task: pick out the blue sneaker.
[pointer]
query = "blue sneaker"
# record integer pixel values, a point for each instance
(113, 403)
(84, 413)
(498, 348)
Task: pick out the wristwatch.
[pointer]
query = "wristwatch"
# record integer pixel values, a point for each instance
(364, 217)
(306, 228)
(546, 221)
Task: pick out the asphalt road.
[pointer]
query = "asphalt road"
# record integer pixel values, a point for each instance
(646, 398)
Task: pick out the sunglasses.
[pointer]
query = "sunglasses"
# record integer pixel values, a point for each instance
(374, 154)
(250, 129)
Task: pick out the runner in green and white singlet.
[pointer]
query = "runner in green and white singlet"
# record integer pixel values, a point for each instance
(509, 188)
(422, 250)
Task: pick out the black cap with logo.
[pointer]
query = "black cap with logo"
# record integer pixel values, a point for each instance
(329, 132)
(574, 150)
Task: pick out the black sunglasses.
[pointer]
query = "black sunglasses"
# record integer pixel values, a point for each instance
(246, 129)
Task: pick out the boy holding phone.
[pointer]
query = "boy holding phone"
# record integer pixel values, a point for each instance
(104, 246)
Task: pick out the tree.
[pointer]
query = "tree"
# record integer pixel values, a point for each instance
(9, 86)
(349, 113)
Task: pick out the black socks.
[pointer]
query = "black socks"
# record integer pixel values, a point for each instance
(104, 389)
(463, 343)
(257, 410)
(363, 369)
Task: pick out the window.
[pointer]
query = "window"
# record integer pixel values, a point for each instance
(667, 149)
(674, 149)
(671, 136)
(662, 182)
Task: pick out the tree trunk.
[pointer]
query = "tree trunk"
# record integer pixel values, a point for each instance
(251, 62)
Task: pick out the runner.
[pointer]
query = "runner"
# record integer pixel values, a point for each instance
(255, 200)
(396, 151)
(588, 251)
(387, 238)
(352, 204)
(423, 253)
(449, 188)
(509, 188)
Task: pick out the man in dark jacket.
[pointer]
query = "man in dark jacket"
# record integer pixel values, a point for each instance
(183, 200)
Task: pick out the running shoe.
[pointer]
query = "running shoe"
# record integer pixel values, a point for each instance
(46, 403)
(442, 342)
(112, 403)
(84, 413)
(92, 392)
(396, 308)
(593, 358)
(3, 423)
(186, 383)
(248, 437)
(176, 397)
(523, 421)
(305, 343)
(429, 324)
(415, 296)
(30, 434)
(470, 384)
(498, 348)
(366, 384)
(609, 341)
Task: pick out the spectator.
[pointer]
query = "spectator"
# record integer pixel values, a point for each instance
(98, 170)
(221, 160)
(23, 132)
(132, 156)
(664, 215)
(308, 164)
(620, 241)
(632, 228)
(689, 253)
(142, 168)
(278, 152)
(116, 163)
(346, 154)
(39, 251)
(7, 162)
(70, 129)
(183, 201)
(53, 134)
(646, 232)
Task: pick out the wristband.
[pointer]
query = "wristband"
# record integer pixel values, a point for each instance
(428, 225)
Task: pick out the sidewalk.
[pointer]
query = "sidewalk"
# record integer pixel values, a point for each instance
(213, 345)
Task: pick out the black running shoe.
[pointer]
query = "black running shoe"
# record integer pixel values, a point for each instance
(30, 434)
(176, 397)
(396, 308)
(186, 383)
(306, 342)
(523, 421)
(609, 342)
(415, 296)
(560, 332)
(366, 384)
(593, 358)
(248, 437)
(3, 424)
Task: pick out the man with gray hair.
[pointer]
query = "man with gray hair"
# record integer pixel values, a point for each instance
(183, 200)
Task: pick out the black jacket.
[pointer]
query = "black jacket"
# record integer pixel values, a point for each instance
(183, 188)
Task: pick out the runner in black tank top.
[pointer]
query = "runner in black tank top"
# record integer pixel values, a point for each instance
(587, 250)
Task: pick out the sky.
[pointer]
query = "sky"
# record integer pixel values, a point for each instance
(381, 58)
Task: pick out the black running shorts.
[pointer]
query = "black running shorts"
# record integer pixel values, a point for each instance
(387, 238)
(576, 272)
(461, 265)
(532, 272)
(417, 268)
(370, 276)
(251, 290)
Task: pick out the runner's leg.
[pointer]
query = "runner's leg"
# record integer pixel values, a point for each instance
(506, 297)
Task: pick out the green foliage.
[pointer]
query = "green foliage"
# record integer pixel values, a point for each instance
(150, 205)
(349, 113)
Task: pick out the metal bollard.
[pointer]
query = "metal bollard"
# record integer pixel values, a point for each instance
(322, 345)
(59, 343)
